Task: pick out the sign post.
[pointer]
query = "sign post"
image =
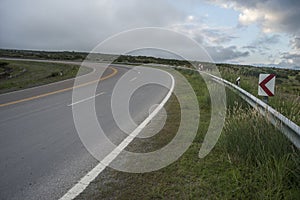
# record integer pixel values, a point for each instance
(266, 86)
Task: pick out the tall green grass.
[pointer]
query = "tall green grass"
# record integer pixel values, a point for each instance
(264, 155)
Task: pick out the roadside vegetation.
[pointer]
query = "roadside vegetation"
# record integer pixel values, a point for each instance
(80, 56)
(287, 87)
(49, 55)
(16, 75)
(252, 160)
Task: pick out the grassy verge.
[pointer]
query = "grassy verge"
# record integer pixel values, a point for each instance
(18, 75)
(252, 160)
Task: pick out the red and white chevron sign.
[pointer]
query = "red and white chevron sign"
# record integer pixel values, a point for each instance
(266, 84)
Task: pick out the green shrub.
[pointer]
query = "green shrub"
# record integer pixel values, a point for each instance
(55, 74)
(3, 64)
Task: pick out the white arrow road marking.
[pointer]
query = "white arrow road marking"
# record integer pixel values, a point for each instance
(86, 99)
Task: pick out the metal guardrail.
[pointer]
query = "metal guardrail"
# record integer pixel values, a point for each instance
(285, 125)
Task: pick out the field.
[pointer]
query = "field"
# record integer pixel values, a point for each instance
(16, 75)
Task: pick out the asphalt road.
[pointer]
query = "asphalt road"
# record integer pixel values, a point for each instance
(41, 155)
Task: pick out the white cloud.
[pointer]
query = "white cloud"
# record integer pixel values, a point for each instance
(249, 16)
(271, 15)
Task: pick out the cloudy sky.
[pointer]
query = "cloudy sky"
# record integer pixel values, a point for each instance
(233, 31)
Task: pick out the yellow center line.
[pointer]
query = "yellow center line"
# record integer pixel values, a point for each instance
(115, 71)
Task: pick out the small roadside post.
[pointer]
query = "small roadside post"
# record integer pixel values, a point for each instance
(237, 81)
(266, 86)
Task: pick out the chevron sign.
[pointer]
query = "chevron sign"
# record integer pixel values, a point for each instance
(266, 84)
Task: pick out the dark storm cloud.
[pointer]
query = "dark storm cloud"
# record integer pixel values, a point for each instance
(290, 60)
(290, 56)
(250, 48)
(218, 35)
(76, 24)
(296, 43)
(221, 54)
(213, 40)
(268, 39)
(263, 43)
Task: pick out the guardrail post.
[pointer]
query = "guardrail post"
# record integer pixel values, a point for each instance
(265, 99)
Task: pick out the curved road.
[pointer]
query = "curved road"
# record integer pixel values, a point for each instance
(41, 155)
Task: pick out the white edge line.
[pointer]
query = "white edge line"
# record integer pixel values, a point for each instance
(86, 99)
(91, 175)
